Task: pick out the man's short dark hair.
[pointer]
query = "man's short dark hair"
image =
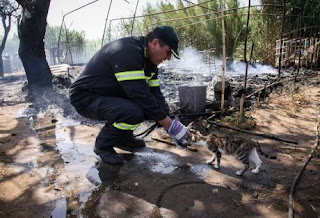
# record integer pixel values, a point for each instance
(151, 36)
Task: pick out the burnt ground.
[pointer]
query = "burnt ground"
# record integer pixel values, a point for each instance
(48, 168)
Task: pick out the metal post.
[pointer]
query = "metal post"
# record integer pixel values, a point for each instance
(281, 37)
(245, 44)
(105, 24)
(134, 16)
(59, 37)
(241, 112)
(109, 37)
(68, 44)
(300, 36)
(316, 51)
(314, 46)
(295, 45)
(223, 55)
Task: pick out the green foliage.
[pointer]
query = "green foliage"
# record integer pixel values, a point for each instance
(310, 11)
(201, 26)
(247, 122)
(73, 36)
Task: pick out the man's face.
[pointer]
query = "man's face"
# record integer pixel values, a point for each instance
(158, 53)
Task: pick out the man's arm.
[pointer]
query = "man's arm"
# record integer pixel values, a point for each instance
(156, 91)
(166, 122)
(154, 84)
(176, 129)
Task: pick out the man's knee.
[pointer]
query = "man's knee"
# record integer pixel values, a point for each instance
(135, 114)
(116, 109)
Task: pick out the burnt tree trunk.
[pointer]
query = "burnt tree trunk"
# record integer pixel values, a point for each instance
(32, 29)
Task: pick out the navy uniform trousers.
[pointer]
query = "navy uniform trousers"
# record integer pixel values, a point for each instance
(122, 116)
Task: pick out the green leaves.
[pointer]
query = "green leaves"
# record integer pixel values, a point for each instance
(199, 25)
(52, 35)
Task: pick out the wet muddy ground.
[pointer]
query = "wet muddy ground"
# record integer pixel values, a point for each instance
(48, 167)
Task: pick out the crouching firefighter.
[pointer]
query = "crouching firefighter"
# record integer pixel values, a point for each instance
(119, 85)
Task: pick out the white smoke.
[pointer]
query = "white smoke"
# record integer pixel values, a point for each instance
(190, 59)
(192, 62)
(239, 68)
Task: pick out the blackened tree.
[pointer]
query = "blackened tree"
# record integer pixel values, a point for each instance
(31, 31)
(8, 10)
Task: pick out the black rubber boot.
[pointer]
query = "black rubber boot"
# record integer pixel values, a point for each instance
(108, 137)
(110, 157)
(130, 143)
(134, 142)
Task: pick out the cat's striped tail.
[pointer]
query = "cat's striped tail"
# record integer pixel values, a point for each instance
(258, 147)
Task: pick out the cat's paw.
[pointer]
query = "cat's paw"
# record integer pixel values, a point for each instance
(255, 171)
(239, 173)
(216, 166)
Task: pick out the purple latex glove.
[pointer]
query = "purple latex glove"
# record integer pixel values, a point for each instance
(179, 131)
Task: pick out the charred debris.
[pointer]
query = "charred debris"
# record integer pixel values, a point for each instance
(192, 95)
(186, 92)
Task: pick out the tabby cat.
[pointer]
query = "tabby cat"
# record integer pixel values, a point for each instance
(244, 149)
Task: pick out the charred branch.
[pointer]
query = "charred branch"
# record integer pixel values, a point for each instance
(296, 179)
(252, 133)
(267, 86)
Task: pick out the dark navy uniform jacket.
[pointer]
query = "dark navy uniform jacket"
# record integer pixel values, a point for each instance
(122, 69)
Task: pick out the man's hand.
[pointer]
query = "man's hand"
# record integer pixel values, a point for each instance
(179, 131)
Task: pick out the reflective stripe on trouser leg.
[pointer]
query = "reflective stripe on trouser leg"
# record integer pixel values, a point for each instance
(154, 83)
(117, 111)
(111, 136)
(125, 126)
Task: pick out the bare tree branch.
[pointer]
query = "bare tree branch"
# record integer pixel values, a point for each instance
(8, 9)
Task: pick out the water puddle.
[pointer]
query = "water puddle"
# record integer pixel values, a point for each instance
(200, 170)
(80, 177)
(157, 162)
(61, 209)
(93, 176)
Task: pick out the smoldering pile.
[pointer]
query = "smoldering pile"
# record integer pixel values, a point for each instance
(259, 77)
